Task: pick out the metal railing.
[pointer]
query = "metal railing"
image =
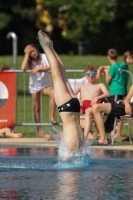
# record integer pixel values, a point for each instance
(25, 112)
(25, 116)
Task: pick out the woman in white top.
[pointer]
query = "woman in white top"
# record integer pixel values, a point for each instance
(39, 81)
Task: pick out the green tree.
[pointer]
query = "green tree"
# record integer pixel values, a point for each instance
(103, 24)
(124, 23)
(82, 19)
(17, 16)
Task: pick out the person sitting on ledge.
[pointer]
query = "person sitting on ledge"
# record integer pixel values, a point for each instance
(112, 110)
(6, 132)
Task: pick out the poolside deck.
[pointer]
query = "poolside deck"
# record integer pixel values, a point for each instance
(41, 142)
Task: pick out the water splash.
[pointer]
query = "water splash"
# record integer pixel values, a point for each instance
(67, 160)
(73, 163)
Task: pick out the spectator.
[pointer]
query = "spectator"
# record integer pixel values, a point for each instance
(116, 80)
(39, 82)
(6, 132)
(112, 110)
(127, 60)
(90, 93)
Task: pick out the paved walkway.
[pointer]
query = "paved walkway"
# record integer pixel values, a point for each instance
(41, 142)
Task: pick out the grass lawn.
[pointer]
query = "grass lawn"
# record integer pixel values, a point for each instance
(71, 62)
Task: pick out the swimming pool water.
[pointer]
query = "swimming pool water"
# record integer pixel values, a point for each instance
(26, 173)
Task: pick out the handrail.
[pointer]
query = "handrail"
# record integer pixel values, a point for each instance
(14, 38)
(24, 123)
(19, 70)
(127, 71)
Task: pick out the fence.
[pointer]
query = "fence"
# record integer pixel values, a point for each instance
(24, 111)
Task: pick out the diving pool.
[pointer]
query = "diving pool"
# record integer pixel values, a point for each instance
(27, 173)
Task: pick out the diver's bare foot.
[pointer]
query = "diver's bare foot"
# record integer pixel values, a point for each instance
(50, 41)
(45, 135)
(44, 40)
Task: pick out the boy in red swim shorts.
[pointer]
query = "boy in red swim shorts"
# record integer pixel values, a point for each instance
(87, 104)
(90, 93)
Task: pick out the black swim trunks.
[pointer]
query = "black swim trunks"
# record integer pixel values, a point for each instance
(117, 110)
(109, 124)
(71, 106)
(116, 98)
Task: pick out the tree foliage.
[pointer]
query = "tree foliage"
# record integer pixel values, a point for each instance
(17, 16)
(103, 24)
(83, 18)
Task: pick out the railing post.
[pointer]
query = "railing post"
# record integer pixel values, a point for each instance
(127, 71)
(14, 38)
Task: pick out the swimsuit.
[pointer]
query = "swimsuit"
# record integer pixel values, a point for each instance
(87, 104)
(117, 110)
(71, 106)
(116, 98)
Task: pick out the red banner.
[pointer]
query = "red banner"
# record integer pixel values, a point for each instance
(7, 99)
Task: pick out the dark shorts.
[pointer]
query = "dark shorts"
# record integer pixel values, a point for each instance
(71, 106)
(117, 110)
(115, 98)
